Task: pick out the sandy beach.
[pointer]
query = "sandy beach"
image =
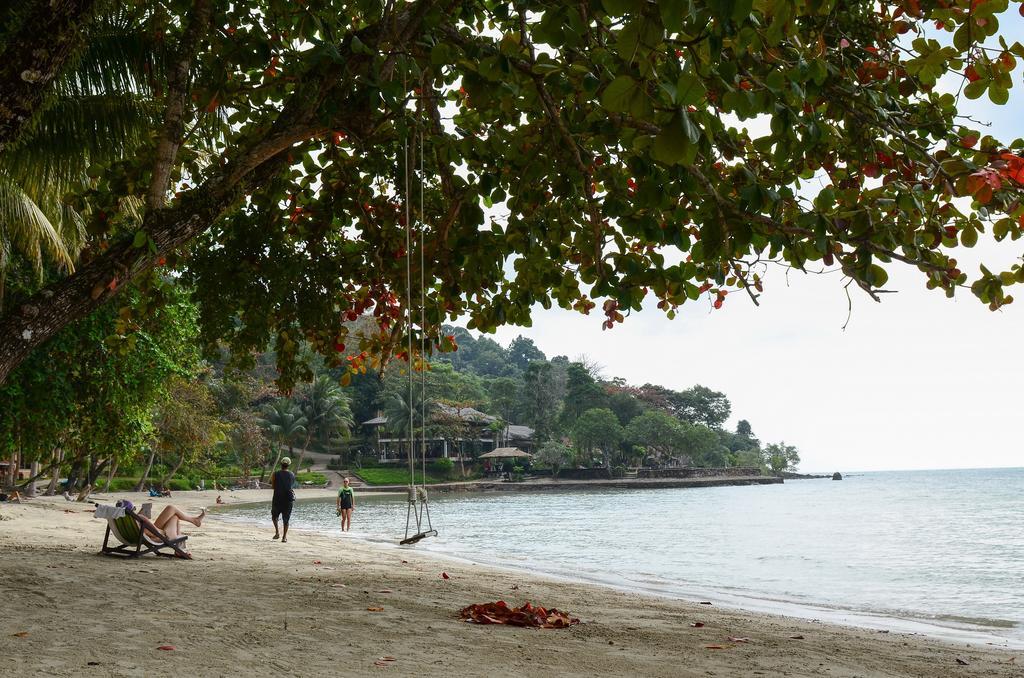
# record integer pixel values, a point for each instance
(319, 605)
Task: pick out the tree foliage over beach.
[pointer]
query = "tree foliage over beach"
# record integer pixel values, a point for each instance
(665, 151)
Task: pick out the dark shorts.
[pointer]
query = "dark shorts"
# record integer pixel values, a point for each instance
(282, 509)
(345, 504)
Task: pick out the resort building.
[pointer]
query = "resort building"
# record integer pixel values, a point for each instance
(452, 433)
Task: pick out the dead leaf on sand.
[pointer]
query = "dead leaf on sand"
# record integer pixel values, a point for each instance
(168, 648)
(385, 591)
(797, 637)
(375, 609)
(20, 634)
(697, 625)
(386, 658)
(317, 562)
(715, 647)
(731, 639)
(704, 602)
(962, 662)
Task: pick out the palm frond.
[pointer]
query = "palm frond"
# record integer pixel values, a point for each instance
(74, 133)
(25, 228)
(122, 55)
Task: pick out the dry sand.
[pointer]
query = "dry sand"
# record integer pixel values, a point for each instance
(247, 605)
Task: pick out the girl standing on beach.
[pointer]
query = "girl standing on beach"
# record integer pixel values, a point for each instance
(346, 504)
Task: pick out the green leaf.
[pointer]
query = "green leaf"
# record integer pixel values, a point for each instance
(618, 96)
(969, 236)
(672, 13)
(619, 7)
(677, 141)
(140, 239)
(998, 94)
(690, 91)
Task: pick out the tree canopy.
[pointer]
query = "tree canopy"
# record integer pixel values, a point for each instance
(588, 154)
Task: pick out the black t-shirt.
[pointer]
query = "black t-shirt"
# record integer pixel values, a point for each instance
(283, 481)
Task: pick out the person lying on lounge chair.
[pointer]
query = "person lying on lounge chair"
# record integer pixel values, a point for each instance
(167, 524)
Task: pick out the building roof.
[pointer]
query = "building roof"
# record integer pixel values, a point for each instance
(515, 431)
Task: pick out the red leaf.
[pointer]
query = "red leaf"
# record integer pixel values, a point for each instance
(166, 647)
(20, 634)
(527, 615)
(969, 140)
(972, 74)
(715, 647)
(444, 575)
(375, 609)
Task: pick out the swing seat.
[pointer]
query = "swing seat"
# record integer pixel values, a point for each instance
(416, 537)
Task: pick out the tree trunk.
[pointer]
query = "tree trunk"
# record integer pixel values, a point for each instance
(95, 469)
(49, 34)
(177, 465)
(76, 469)
(145, 474)
(305, 446)
(110, 475)
(58, 457)
(34, 473)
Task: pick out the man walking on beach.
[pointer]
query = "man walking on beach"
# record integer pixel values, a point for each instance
(284, 496)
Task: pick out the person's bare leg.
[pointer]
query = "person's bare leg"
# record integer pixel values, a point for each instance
(174, 512)
(277, 534)
(284, 535)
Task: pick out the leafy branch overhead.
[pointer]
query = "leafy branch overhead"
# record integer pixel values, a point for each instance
(590, 154)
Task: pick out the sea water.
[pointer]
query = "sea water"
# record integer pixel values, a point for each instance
(938, 552)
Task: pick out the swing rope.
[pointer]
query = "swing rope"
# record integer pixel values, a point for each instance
(417, 497)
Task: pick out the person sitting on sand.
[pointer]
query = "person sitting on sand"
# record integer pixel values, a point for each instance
(219, 500)
(346, 504)
(284, 496)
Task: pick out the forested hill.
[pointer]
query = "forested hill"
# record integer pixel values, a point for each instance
(571, 402)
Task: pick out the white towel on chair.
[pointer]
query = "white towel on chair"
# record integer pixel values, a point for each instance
(105, 512)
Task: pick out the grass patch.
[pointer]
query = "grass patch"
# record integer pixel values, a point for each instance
(395, 476)
(315, 478)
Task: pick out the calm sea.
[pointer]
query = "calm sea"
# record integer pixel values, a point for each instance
(937, 552)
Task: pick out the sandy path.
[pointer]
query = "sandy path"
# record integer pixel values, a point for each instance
(247, 605)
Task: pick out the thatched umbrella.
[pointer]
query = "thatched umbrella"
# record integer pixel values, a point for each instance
(506, 453)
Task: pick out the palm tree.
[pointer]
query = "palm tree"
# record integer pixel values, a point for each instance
(283, 420)
(327, 413)
(103, 110)
(100, 111)
(403, 420)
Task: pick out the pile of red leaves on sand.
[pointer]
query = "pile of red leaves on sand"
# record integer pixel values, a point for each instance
(527, 615)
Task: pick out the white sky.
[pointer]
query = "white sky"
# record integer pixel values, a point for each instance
(918, 381)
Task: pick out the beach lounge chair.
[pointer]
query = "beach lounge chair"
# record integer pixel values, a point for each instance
(128, 528)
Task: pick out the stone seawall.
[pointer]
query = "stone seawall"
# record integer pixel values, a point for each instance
(693, 472)
(619, 484)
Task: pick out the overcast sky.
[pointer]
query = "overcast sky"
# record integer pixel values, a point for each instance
(916, 382)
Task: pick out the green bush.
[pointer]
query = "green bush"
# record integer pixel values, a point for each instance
(315, 478)
(443, 467)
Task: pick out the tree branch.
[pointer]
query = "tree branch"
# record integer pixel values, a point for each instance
(49, 34)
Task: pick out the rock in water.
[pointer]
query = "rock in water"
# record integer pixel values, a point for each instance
(837, 476)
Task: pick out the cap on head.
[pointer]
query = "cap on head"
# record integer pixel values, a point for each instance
(286, 461)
